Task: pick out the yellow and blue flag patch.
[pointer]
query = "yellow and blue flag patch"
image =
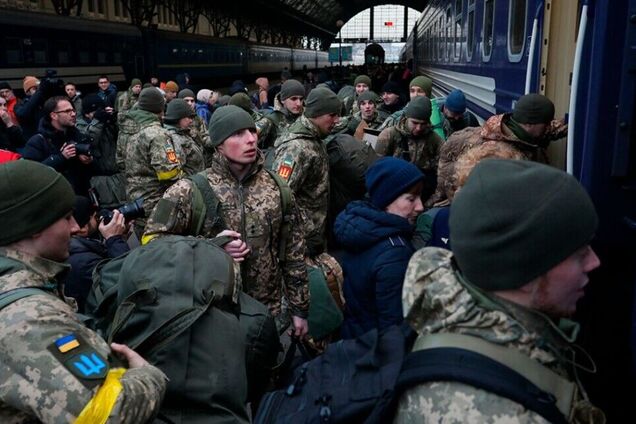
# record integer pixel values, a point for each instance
(67, 343)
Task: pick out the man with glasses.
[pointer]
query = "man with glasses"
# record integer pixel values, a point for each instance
(60, 145)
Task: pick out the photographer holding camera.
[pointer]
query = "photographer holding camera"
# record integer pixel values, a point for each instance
(60, 145)
(96, 240)
(99, 124)
(30, 110)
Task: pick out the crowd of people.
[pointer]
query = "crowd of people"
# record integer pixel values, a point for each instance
(444, 240)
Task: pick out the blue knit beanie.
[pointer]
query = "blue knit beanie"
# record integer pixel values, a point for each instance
(390, 177)
(456, 101)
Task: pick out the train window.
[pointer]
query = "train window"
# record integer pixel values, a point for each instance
(449, 33)
(441, 46)
(40, 51)
(487, 39)
(459, 9)
(13, 48)
(83, 52)
(516, 29)
(63, 49)
(117, 58)
(470, 31)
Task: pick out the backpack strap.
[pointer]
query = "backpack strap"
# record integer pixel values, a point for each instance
(11, 296)
(497, 369)
(285, 204)
(204, 202)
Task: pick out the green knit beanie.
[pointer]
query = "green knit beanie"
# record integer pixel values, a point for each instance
(419, 108)
(32, 197)
(514, 220)
(368, 95)
(186, 92)
(226, 121)
(321, 101)
(425, 83)
(533, 109)
(151, 100)
(242, 100)
(134, 82)
(177, 109)
(362, 79)
(291, 88)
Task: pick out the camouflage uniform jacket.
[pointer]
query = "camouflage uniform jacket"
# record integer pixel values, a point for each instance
(34, 385)
(103, 138)
(126, 101)
(301, 159)
(251, 207)
(128, 125)
(494, 129)
(422, 151)
(435, 301)
(199, 133)
(192, 151)
(281, 117)
(266, 130)
(154, 162)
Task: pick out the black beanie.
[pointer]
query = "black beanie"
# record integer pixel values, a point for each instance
(186, 92)
(419, 108)
(32, 197)
(391, 87)
(368, 95)
(226, 121)
(321, 101)
(4, 85)
(241, 100)
(533, 109)
(291, 88)
(237, 86)
(83, 210)
(515, 220)
(177, 109)
(151, 100)
(91, 103)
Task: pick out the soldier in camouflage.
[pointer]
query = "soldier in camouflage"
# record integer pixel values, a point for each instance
(288, 107)
(178, 122)
(301, 159)
(367, 116)
(250, 213)
(128, 99)
(54, 369)
(198, 127)
(413, 140)
(362, 83)
(154, 163)
(519, 264)
(529, 129)
(266, 131)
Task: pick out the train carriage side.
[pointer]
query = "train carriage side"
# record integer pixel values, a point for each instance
(268, 60)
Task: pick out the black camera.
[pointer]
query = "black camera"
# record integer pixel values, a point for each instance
(51, 85)
(132, 210)
(83, 149)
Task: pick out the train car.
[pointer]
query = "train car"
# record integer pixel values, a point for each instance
(268, 59)
(302, 58)
(80, 50)
(322, 59)
(581, 55)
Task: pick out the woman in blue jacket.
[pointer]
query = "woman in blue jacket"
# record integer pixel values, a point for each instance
(376, 235)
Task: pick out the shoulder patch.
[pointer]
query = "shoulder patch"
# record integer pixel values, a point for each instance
(286, 168)
(80, 359)
(171, 155)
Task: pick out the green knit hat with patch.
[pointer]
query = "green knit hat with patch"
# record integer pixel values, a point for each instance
(226, 121)
(32, 197)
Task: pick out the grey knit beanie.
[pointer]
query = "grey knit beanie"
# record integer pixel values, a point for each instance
(368, 95)
(533, 109)
(291, 88)
(515, 220)
(321, 101)
(226, 121)
(362, 79)
(177, 109)
(151, 100)
(186, 92)
(419, 108)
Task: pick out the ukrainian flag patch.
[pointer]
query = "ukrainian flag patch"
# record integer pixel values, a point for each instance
(286, 168)
(67, 343)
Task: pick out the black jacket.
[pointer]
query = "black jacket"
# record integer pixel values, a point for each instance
(45, 147)
(85, 254)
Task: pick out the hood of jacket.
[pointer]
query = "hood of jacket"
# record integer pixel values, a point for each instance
(361, 225)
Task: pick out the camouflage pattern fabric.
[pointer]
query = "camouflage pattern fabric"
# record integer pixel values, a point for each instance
(34, 385)
(422, 151)
(128, 127)
(494, 129)
(199, 133)
(251, 207)
(192, 151)
(153, 161)
(280, 116)
(266, 130)
(126, 101)
(435, 301)
(301, 159)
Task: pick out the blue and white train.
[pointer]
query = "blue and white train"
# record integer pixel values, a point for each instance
(581, 54)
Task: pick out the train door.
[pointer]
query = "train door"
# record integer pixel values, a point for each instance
(558, 41)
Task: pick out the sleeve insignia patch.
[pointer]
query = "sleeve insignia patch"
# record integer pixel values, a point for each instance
(171, 155)
(80, 359)
(286, 168)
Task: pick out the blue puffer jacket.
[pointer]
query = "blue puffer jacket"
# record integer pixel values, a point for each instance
(377, 250)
